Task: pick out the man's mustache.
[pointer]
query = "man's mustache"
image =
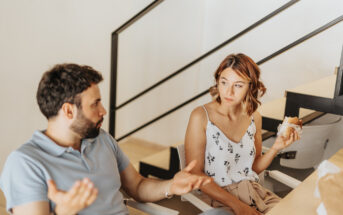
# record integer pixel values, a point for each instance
(100, 121)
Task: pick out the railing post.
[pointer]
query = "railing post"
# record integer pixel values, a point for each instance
(113, 85)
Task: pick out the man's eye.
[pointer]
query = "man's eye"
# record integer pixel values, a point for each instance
(223, 83)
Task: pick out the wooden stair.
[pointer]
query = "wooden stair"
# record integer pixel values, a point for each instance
(137, 149)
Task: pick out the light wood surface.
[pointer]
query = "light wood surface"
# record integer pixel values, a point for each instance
(301, 200)
(2, 204)
(137, 149)
(160, 159)
(324, 87)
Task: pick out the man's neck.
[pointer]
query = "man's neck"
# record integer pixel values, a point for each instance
(63, 136)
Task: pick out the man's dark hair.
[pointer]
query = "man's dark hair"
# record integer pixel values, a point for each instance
(63, 83)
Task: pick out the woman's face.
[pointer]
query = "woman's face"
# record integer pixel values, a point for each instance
(232, 88)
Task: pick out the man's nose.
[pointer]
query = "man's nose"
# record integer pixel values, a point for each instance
(102, 111)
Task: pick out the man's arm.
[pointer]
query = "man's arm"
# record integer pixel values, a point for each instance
(32, 208)
(150, 190)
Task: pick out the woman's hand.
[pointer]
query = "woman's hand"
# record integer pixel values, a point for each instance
(245, 209)
(281, 142)
(80, 196)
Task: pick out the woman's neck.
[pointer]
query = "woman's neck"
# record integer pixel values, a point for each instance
(232, 112)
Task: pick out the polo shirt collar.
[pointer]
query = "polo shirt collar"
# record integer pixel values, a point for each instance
(48, 145)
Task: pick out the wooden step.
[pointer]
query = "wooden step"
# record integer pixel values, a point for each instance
(137, 149)
(324, 87)
(160, 159)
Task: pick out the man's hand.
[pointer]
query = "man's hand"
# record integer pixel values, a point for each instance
(184, 182)
(81, 195)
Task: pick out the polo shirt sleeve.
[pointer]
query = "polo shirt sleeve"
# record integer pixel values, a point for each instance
(22, 181)
(122, 160)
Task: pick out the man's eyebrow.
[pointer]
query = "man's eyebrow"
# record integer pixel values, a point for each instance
(97, 100)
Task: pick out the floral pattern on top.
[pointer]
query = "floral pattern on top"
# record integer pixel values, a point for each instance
(227, 161)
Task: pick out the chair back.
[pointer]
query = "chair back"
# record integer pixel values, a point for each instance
(182, 156)
(309, 150)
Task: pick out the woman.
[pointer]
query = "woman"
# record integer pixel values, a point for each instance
(224, 136)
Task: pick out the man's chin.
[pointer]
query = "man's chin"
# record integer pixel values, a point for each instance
(93, 134)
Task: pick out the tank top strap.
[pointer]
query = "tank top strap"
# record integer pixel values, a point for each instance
(206, 112)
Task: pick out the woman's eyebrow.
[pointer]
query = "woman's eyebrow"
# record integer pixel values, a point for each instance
(243, 82)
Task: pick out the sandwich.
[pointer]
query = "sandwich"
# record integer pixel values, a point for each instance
(288, 125)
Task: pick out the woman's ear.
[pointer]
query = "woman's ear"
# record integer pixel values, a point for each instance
(68, 110)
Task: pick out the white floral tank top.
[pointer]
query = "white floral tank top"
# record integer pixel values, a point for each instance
(226, 161)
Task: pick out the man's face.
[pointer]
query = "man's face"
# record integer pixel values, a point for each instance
(90, 116)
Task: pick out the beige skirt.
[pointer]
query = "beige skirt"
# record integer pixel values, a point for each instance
(249, 192)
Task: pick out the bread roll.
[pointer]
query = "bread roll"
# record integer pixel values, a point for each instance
(291, 120)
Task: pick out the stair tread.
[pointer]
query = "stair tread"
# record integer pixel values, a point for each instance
(160, 159)
(137, 149)
(324, 87)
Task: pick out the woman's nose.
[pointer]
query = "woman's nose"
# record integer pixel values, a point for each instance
(229, 90)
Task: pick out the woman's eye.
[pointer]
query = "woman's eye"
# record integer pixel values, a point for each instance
(223, 83)
(238, 85)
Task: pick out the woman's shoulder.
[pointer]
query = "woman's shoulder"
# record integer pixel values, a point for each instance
(200, 113)
(257, 118)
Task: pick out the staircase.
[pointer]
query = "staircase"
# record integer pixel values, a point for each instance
(305, 101)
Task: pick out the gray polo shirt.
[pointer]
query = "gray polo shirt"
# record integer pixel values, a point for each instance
(27, 169)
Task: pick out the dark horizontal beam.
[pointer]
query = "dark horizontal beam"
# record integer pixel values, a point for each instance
(270, 124)
(322, 104)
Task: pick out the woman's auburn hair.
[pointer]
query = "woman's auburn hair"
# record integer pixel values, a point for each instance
(245, 67)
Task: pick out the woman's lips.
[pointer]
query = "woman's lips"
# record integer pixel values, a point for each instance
(228, 99)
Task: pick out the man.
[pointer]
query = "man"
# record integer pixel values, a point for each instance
(74, 167)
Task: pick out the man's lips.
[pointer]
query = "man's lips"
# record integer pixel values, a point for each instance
(100, 122)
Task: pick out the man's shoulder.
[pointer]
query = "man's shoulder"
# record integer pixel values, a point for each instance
(106, 137)
(27, 151)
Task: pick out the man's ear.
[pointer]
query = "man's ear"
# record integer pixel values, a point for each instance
(69, 110)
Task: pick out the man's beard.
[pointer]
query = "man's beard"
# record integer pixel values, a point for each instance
(84, 127)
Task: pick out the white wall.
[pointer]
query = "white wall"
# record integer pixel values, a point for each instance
(36, 34)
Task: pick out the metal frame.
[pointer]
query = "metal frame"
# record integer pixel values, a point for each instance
(268, 121)
(114, 57)
(114, 63)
